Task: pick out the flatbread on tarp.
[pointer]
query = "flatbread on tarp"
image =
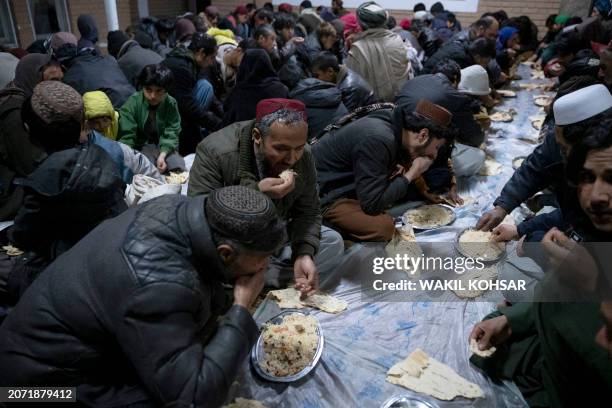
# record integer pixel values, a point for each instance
(506, 93)
(420, 373)
(490, 167)
(290, 299)
(501, 117)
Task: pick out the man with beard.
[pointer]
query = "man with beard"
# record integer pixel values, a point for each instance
(553, 348)
(576, 109)
(255, 153)
(372, 163)
(129, 316)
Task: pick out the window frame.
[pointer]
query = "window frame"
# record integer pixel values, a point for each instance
(12, 27)
(64, 5)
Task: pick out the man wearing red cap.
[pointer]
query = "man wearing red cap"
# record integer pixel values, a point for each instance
(270, 154)
(368, 165)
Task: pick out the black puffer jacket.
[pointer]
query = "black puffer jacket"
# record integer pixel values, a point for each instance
(67, 196)
(356, 92)
(430, 41)
(356, 161)
(92, 72)
(454, 50)
(439, 90)
(186, 74)
(130, 315)
(18, 155)
(308, 51)
(323, 102)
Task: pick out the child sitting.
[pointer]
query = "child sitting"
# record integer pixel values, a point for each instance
(149, 120)
(100, 114)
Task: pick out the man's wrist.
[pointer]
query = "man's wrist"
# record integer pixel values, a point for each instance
(242, 302)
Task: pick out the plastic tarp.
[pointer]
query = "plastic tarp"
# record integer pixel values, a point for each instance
(363, 342)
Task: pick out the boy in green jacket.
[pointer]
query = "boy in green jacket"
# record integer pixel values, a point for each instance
(149, 120)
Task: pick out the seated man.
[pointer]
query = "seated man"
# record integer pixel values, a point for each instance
(356, 92)
(370, 164)
(72, 191)
(255, 153)
(130, 314)
(440, 87)
(545, 165)
(548, 348)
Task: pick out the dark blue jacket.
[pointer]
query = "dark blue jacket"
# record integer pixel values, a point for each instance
(543, 168)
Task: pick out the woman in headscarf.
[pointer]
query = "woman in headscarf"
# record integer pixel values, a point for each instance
(256, 80)
(18, 155)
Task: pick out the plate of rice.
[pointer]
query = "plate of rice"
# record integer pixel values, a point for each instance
(288, 348)
(430, 216)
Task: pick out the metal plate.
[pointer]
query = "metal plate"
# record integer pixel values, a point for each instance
(257, 352)
(422, 227)
(465, 254)
(407, 401)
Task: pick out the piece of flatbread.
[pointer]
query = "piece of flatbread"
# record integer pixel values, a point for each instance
(177, 178)
(490, 167)
(537, 121)
(488, 273)
(286, 175)
(537, 74)
(326, 303)
(542, 100)
(501, 116)
(406, 232)
(531, 87)
(405, 243)
(480, 244)
(425, 375)
(506, 93)
(245, 403)
(517, 162)
(290, 299)
(12, 251)
(287, 298)
(482, 353)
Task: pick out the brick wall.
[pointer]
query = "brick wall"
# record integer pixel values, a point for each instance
(96, 9)
(167, 8)
(537, 10)
(23, 26)
(75, 8)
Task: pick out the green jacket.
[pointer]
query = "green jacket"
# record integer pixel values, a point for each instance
(226, 158)
(133, 116)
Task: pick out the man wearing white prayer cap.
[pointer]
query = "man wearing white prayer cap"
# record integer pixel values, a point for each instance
(577, 111)
(580, 104)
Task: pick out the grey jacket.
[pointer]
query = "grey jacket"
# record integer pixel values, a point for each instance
(132, 58)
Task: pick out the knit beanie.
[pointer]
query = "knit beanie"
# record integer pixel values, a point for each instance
(247, 216)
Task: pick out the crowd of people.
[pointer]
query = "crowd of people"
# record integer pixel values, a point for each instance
(308, 128)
